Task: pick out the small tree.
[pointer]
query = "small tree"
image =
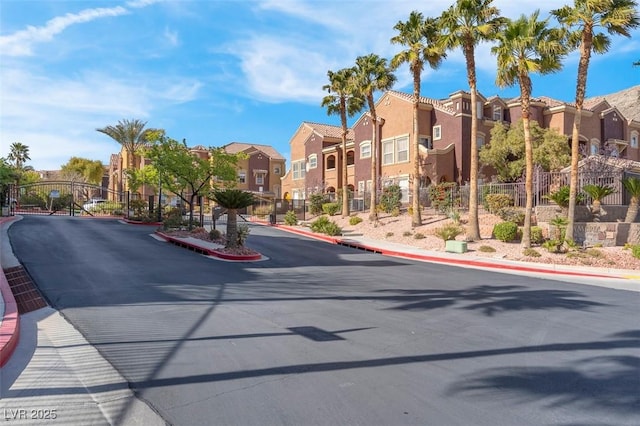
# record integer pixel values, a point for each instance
(233, 200)
(597, 193)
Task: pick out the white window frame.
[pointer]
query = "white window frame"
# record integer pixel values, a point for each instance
(242, 177)
(633, 140)
(313, 161)
(260, 179)
(497, 113)
(299, 169)
(437, 132)
(594, 148)
(400, 153)
(386, 152)
(365, 149)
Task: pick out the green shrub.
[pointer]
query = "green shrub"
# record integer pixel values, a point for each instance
(290, 218)
(505, 231)
(486, 249)
(215, 235)
(454, 215)
(243, 234)
(262, 211)
(315, 203)
(354, 220)
(449, 232)
(496, 202)
(441, 197)
(594, 252)
(559, 227)
(390, 199)
(536, 235)
(512, 214)
(324, 226)
(635, 251)
(419, 236)
(554, 246)
(331, 208)
(531, 252)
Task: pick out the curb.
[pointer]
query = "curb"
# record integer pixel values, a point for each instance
(209, 252)
(446, 260)
(10, 327)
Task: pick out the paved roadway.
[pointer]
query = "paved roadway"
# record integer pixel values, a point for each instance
(325, 335)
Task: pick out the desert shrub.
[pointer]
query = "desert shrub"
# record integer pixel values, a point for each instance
(315, 203)
(635, 251)
(354, 220)
(536, 235)
(594, 252)
(449, 232)
(511, 214)
(199, 230)
(173, 220)
(406, 234)
(395, 212)
(243, 234)
(331, 208)
(496, 202)
(531, 252)
(419, 236)
(390, 199)
(138, 206)
(559, 227)
(441, 197)
(324, 226)
(215, 235)
(290, 218)
(454, 214)
(554, 246)
(389, 234)
(505, 231)
(486, 249)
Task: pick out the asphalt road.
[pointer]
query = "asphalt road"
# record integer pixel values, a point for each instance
(326, 335)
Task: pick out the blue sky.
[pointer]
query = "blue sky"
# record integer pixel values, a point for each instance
(216, 72)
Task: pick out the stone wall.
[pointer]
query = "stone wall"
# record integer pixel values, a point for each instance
(606, 234)
(583, 214)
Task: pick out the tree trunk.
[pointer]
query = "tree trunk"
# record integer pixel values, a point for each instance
(232, 228)
(581, 86)
(473, 230)
(632, 210)
(416, 217)
(345, 170)
(528, 148)
(375, 153)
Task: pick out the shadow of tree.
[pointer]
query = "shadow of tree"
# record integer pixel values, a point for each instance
(495, 299)
(608, 383)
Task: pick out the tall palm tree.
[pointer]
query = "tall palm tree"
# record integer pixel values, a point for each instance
(131, 134)
(464, 25)
(527, 45)
(581, 22)
(632, 185)
(232, 200)
(344, 100)
(18, 155)
(420, 37)
(373, 74)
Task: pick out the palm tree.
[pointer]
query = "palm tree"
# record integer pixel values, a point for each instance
(19, 154)
(232, 200)
(581, 21)
(527, 45)
(464, 25)
(597, 193)
(632, 185)
(372, 74)
(131, 134)
(344, 100)
(420, 37)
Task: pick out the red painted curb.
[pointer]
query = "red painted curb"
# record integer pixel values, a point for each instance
(10, 327)
(138, 222)
(429, 258)
(209, 252)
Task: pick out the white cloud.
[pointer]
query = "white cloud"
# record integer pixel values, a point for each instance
(20, 43)
(171, 37)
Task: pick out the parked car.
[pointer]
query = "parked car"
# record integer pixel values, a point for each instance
(93, 204)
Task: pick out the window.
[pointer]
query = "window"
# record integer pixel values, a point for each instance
(331, 162)
(276, 170)
(426, 142)
(437, 132)
(313, 161)
(365, 149)
(402, 148)
(360, 187)
(351, 157)
(387, 152)
(242, 177)
(480, 109)
(299, 170)
(497, 113)
(480, 142)
(634, 140)
(259, 179)
(595, 148)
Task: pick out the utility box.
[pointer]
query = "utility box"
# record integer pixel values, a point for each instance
(453, 246)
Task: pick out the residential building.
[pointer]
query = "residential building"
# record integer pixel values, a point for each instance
(444, 133)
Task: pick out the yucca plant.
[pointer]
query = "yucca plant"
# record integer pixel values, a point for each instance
(632, 185)
(597, 193)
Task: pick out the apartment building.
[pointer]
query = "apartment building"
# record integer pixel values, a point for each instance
(444, 127)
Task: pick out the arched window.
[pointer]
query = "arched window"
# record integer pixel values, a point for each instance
(351, 158)
(331, 162)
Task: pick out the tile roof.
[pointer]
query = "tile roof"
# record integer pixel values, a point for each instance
(236, 147)
(328, 130)
(439, 105)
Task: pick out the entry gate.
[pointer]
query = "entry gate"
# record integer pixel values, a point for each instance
(67, 198)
